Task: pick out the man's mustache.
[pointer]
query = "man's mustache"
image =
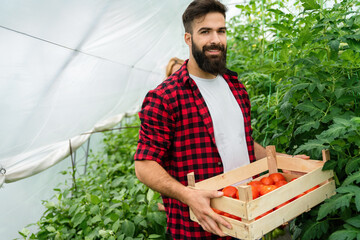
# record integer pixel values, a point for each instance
(219, 47)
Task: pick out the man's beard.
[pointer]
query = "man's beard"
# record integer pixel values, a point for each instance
(213, 64)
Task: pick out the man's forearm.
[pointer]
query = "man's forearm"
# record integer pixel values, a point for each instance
(154, 176)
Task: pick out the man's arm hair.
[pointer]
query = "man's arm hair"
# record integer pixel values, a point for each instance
(155, 176)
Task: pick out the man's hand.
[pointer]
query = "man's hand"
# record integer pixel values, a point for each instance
(303, 156)
(199, 202)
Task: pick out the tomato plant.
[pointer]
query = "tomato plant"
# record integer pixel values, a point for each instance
(302, 71)
(109, 202)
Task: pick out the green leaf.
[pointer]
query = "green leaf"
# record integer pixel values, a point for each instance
(309, 107)
(334, 203)
(344, 235)
(329, 165)
(355, 120)
(72, 209)
(116, 226)
(94, 209)
(306, 127)
(154, 236)
(277, 11)
(128, 227)
(50, 205)
(339, 92)
(282, 28)
(78, 218)
(334, 131)
(315, 230)
(150, 195)
(25, 232)
(317, 145)
(334, 45)
(116, 182)
(107, 221)
(354, 221)
(348, 55)
(286, 109)
(342, 121)
(310, 4)
(352, 178)
(103, 233)
(96, 219)
(354, 44)
(94, 199)
(352, 189)
(352, 165)
(50, 228)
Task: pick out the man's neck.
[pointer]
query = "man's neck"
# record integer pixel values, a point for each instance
(195, 70)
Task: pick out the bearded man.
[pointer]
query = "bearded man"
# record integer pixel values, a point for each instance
(197, 120)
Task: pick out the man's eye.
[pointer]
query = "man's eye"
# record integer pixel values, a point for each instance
(204, 32)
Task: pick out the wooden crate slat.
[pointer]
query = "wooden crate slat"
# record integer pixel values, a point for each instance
(230, 205)
(256, 229)
(248, 209)
(287, 192)
(271, 159)
(233, 176)
(226, 204)
(239, 229)
(291, 210)
(297, 164)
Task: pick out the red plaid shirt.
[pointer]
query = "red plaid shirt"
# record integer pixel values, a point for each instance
(177, 132)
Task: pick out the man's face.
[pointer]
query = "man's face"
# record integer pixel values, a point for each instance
(208, 43)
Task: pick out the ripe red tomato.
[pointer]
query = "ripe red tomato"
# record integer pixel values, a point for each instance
(255, 184)
(277, 177)
(283, 204)
(231, 191)
(255, 192)
(231, 216)
(267, 181)
(300, 195)
(218, 211)
(312, 189)
(264, 189)
(264, 214)
(226, 214)
(281, 183)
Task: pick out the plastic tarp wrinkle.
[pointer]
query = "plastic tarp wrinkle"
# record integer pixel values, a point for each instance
(68, 67)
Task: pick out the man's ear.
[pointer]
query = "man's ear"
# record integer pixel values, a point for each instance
(187, 38)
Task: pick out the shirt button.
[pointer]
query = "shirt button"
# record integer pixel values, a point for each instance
(219, 163)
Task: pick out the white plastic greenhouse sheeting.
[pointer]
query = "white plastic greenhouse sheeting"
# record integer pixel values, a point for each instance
(69, 67)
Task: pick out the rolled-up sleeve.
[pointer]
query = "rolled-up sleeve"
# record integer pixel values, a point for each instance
(156, 129)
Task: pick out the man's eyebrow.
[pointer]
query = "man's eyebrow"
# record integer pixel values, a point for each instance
(207, 29)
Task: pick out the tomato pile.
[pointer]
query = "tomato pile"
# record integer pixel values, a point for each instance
(260, 188)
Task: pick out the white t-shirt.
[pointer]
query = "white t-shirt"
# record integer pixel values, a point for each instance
(228, 121)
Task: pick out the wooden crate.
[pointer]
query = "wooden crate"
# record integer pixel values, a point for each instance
(248, 209)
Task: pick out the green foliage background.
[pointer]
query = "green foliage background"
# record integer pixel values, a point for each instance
(302, 71)
(108, 202)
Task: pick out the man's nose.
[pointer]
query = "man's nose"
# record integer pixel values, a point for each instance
(215, 38)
